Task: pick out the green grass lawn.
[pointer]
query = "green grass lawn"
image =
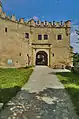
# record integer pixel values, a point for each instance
(11, 81)
(71, 83)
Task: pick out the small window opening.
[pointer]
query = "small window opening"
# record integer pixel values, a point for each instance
(59, 37)
(53, 54)
(45, 37)
(39, 37)
(27, 35)
(6, 29)
(16, 61)
(66, 34)
(19, 54)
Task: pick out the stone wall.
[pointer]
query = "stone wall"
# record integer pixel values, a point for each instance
(14, 45)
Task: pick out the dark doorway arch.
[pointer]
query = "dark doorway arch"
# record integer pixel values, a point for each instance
(41, 58)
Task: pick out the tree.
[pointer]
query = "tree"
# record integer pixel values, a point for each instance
(76, 59)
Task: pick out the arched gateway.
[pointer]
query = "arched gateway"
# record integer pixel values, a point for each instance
(41, 58)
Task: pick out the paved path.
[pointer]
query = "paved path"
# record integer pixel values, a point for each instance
(42, 78)
(43, 97)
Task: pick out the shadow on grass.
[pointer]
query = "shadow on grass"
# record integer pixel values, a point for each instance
(6, 94)
(69, 77)
(26, 67)
(71, 83)
(74, 96)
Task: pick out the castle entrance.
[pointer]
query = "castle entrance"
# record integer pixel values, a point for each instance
(41, 58)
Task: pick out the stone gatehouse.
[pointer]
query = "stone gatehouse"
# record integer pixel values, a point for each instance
(24, 43)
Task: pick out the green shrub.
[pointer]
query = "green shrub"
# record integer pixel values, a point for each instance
(76, 69)
(76, 59)
(76, 63)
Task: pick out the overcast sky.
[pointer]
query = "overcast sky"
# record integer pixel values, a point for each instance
(46, 10)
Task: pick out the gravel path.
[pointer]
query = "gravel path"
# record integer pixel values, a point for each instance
(43, 97)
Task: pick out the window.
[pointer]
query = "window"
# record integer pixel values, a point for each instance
(27, 35)
(19, 54)
(59, 37)
(53, 54)
(6, 29)
(45, 37)
(16, 61)
(39, 37)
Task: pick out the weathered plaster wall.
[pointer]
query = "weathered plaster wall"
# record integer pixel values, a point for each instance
(60, 48)
(13, 42)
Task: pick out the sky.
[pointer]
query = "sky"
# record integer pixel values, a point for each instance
(58, 10)
(44, 9)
